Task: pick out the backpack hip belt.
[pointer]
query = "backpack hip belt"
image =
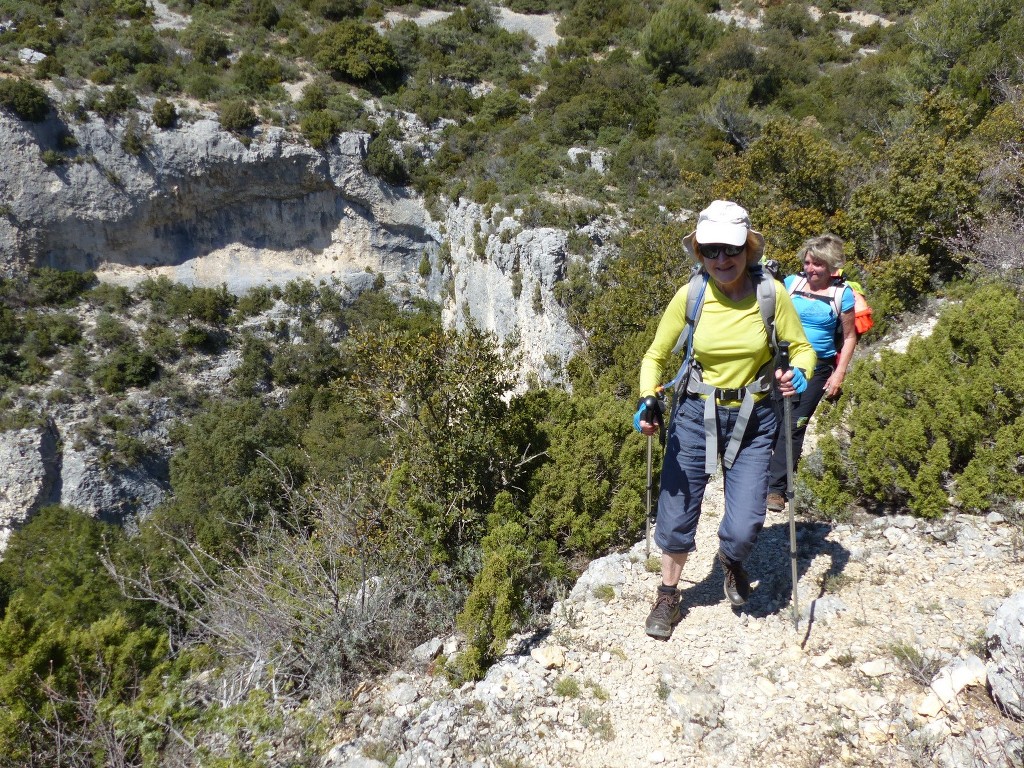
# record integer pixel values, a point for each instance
(695, 386)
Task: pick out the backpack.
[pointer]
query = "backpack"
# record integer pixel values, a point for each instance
(688, 379)
(862, 319)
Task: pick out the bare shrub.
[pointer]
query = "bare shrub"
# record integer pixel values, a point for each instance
(920, 665)
(992, 245)
(319, 595)
(92, 733)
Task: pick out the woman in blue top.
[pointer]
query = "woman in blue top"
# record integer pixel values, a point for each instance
(823, 307)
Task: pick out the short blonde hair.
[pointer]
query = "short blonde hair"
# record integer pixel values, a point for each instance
(827, 248)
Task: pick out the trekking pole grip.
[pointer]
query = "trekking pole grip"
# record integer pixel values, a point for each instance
(782, 358)
(653, 410)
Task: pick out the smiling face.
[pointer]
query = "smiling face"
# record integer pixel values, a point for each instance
(726, 265)
(818, 273)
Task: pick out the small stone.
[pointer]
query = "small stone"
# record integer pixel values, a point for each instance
(930, 706)
(822, 661)
(656, 757)
(876, 733)
(875, 668)
(549, 656)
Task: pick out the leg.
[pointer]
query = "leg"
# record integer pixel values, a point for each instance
(746, 485)
(682, 491)
(683, 480)
(805, 408)
(672, 567)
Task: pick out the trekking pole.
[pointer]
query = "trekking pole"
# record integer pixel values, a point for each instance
(787, 408)
(652, 407)
(650, 494)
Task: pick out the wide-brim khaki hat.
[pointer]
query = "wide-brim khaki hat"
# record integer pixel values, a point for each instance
(725, 222)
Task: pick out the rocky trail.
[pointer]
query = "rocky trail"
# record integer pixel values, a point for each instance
(890, 665)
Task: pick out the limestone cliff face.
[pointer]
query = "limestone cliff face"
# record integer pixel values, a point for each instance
(503, 278)
(30, 473)
(196, 201)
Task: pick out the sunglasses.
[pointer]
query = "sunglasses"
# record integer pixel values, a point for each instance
(714, 250)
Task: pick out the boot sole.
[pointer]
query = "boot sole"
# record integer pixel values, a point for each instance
(658, 632)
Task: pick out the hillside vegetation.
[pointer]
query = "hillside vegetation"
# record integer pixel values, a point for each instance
(367, 479)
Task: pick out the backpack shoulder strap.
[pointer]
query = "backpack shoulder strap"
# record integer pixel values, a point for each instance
(694, 303)
(764, 285)
(800, 280)
(835, 297)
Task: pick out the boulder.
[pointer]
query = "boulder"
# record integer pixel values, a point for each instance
(1005, 637)
(31, 469)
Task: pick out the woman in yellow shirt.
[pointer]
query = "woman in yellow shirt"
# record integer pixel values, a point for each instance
(732, 363)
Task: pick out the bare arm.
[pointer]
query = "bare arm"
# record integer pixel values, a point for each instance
(835, 381)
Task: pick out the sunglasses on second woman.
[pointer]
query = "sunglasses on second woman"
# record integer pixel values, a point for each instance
(714, 250)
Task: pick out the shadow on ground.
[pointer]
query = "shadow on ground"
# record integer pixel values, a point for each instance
(770, 564)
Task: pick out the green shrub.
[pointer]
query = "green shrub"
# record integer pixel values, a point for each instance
(134, 141)
(27, 100)
(110, 297)
(934, 421)
(496, 604)
(176, 301)
(46, 333)
(157, 79)
(202, 82)
(111, 332)
(73, 650)
(165, 115)
(237, 116)
(257, 300)
(263, 13)
(678, 33)
(567, 687)
(353, 51)
(381, 158)
(320, 127)
(53, 287)
(162, 341)
(117, 101)
(336, 10)
(127, 366)
(255, 75)
(208, 47)
(52, 158)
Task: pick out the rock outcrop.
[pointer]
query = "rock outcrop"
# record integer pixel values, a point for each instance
(30, 460)
(206, 207)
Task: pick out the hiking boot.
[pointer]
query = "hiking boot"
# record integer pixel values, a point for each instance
(776, 502)
(664, 615)
(737, 583)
